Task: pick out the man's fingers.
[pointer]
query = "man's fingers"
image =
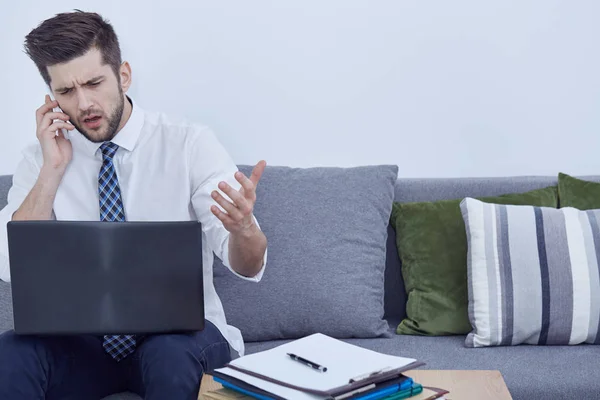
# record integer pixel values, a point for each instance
(51, 116)
(228, 206)
(241, 202)
(56, 126)
(247, 184)
(258, 171)
(60, 125)
(47, 107)
(223, 217)
(48, 122)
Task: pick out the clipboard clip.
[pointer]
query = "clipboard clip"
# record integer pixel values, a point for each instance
(369, 375)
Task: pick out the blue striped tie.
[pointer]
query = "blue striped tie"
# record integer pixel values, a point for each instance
(111, 210)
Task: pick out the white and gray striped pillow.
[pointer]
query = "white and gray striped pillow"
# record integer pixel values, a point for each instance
(533, 275)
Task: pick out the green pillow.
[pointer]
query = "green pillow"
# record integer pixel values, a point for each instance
(577, 193)
(432, 244)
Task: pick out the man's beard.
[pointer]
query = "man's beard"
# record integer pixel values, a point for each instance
(114, 119)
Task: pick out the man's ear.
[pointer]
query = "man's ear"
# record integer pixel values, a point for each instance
(125, 76)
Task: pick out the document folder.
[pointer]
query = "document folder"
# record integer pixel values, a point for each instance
(349, 369)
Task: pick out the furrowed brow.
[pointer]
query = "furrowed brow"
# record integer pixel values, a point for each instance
(94, 80)
(89, 82)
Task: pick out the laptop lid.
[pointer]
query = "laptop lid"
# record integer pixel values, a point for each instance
(80, 277)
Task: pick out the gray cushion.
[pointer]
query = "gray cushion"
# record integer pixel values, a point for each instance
(6, 315)
(5, 184)
(327, 231)
(6, 318)
(561, 372)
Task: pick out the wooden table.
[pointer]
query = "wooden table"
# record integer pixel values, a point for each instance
(461, 384)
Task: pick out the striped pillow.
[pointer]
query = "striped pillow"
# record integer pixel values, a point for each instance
(533, 274)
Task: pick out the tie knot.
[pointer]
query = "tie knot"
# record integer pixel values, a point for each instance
(108, 150)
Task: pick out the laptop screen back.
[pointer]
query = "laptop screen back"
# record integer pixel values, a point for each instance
(78, 277)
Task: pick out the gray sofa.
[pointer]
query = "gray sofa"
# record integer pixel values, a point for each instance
(530, 372)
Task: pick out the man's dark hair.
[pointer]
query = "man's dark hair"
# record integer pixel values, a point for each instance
(70, 35)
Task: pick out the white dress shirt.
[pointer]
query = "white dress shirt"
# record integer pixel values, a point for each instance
(166, 170)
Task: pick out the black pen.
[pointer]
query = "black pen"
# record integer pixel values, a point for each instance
(306, 362)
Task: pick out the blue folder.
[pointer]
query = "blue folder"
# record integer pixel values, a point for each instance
(414, 390)
(247, 392)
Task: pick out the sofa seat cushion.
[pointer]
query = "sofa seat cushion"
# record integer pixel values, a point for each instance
(530, 372)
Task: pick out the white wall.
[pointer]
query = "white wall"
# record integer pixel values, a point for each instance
(441, 88)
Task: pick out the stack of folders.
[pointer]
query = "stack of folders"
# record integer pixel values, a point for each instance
(318, 367)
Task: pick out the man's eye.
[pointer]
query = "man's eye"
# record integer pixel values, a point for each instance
(95, 83)
(65, 91)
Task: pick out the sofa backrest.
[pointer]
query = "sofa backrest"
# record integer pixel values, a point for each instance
(6, 319)
(5, 183)
(407, 190)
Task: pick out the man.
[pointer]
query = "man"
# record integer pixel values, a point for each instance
(160, 170)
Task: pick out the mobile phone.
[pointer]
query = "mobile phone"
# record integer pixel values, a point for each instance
(65, 132)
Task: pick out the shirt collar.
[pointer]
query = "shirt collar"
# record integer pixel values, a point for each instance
(126, 138)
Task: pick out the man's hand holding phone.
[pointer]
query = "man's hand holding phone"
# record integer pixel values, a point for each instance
(57, 152)
(56, 149)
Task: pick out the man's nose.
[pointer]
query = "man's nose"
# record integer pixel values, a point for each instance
(84, 101)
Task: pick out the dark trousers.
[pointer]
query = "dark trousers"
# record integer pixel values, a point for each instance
(76, 367)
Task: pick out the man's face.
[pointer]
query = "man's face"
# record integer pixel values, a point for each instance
(90, 94)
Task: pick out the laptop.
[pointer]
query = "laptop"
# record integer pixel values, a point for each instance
(93, 277)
